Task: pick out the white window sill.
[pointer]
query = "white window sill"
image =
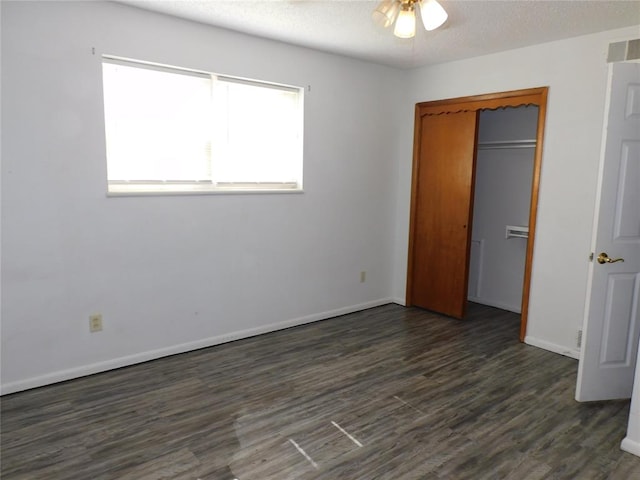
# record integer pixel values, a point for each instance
(141, 189)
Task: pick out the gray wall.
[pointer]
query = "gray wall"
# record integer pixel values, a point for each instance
(502, 197)
(174, 273)
(576, 72)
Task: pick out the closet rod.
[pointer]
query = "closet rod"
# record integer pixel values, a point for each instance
(507, 144)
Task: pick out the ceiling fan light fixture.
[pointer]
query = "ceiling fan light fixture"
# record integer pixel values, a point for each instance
(403, 13)
(406, 22)
(386, 12)
(432, 13)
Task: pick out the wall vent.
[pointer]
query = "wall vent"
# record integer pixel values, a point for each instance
(633, 49)
(624, 51)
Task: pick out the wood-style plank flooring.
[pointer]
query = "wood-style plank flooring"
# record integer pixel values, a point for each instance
(387, 393)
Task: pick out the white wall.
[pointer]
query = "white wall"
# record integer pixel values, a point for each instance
(631, 442)
(502, 197)
(576, 73)
(174, 273)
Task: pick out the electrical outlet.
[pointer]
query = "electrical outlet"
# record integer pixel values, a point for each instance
(363, 277)
(95, 323)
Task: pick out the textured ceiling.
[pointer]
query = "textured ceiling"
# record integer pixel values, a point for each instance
(474, 27)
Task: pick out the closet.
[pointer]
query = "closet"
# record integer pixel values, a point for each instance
(446, 263)
(502, 198)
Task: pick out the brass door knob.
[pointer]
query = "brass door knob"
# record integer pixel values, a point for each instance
(604, 258)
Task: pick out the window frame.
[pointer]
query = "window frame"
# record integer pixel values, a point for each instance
(209, 186)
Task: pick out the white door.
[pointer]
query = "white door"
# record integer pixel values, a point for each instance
(612, 326)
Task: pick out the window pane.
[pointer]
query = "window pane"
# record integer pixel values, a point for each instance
(174, 130)
(158, 124)
(258, 134)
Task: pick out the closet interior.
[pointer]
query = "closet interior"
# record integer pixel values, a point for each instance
(502, 198)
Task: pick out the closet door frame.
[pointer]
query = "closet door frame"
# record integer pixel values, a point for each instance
(492, 101)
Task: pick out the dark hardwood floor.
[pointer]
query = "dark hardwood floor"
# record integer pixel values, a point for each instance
(387, 393)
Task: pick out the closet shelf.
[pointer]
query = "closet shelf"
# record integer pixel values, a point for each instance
(527, 143)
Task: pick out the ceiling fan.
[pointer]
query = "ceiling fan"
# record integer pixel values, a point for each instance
(403, 13)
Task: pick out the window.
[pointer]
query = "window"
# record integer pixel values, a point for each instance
(175, 130)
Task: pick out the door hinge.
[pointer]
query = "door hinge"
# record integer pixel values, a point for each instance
(579, 339)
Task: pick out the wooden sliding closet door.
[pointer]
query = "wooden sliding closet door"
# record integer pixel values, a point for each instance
(443, 199)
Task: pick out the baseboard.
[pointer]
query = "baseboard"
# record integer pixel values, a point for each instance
(69, 374)
(552, 347)
(502, 306)
(399, 301)
(630, 446)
